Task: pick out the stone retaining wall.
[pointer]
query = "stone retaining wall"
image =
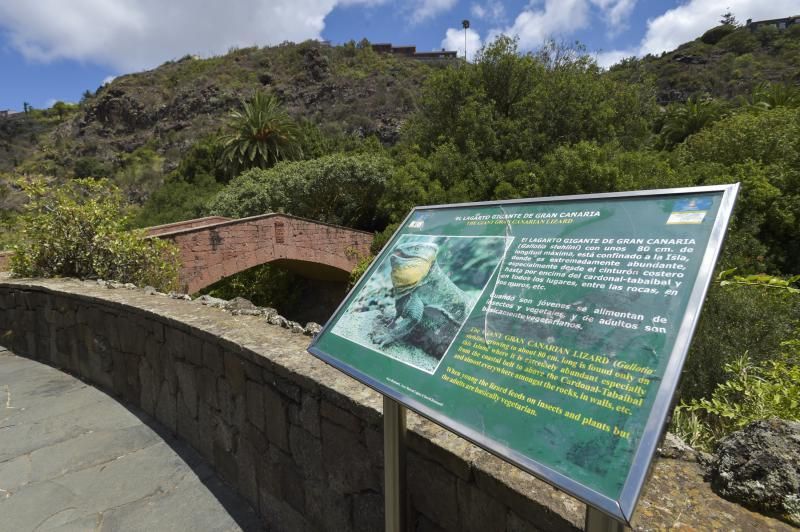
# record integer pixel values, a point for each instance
(299, 440)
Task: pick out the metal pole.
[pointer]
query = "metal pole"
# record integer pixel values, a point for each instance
(394, 464)
(597, 521)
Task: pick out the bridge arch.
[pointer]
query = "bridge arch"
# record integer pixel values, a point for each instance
(211, 250)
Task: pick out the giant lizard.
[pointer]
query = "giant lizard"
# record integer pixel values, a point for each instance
(429, 306)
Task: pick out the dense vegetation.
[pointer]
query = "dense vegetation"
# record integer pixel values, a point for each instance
(728, 61)
(77, 229)
(510, 125)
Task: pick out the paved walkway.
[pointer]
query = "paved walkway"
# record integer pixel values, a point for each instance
(73, 459)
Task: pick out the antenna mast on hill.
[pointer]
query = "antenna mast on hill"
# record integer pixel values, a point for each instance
(465, 23)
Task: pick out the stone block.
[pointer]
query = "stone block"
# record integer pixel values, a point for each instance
(293, 485)
(206, 427)
(255, 404)
(275, 422)
(247, 485)
(368, 514)
(287, 389)
(234, 372)
(280, 516)
(193, 350)
(148, 393)
(169, 376)
(155, 330)
(212, 358)
(225, 463)
(252, 371)
(166, 408)
(256, 439)
(187, 387)
(477, 510)
(132, 384)
(343, 454)
(309, 414)
(207, 388)
(175, 343)
(232, 405)
(188, 426)
(326, 508)
(307, 452)
(515, 523)
(132, 336)
(432, 492)
(269, 477)
(340, 416)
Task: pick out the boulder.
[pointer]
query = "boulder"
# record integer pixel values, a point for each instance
(312, 328)
(674, 447)
(178, 295)
(239, 303)
(759, 467)
(211, 301)
(295, 327)
(277, 319)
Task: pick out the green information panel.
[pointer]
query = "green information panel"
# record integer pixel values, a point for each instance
(551, 332)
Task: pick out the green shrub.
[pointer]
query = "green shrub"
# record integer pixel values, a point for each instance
(744, 315)
(714, 35)
(739, 42)
(752, 392)
(77, 229)
(339, 189)
(360, 269)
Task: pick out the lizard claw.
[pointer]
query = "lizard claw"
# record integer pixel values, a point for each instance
(382, 338)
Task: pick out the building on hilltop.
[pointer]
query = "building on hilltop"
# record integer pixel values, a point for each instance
(411, 52)
(778, 23)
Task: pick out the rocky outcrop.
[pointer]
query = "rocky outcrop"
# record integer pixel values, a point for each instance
(759, 467)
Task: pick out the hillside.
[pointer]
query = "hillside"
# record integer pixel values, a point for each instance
(343, 90)
(725, 62)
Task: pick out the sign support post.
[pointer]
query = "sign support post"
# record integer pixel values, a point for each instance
(394, 464)
(597, 521)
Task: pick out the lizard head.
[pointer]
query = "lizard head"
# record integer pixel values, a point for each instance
(411, 263)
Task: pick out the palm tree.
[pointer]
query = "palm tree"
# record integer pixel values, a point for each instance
(770, 95)
(260, 134)
(683, 120)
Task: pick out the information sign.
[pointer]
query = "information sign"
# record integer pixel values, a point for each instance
(551, 331)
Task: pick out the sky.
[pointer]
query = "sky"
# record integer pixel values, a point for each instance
(54, 50)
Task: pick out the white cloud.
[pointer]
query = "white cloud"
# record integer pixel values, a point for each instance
(616, 13)
(612, 57)
(107, 80)
(425, 9)
(692, 19)
(137, 34)
(454, 40)
(557, 17)
(493, 11)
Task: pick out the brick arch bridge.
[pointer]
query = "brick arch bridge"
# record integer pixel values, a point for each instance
(215, 247)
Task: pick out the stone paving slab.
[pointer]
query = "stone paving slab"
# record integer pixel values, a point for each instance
(73, 459)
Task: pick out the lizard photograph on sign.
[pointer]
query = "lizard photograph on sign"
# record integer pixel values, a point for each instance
(550, 331)
(415, 303)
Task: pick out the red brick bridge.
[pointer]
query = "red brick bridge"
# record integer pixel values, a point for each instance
(215, 247)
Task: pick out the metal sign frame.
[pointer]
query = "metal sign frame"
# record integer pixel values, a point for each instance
(622, 509)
